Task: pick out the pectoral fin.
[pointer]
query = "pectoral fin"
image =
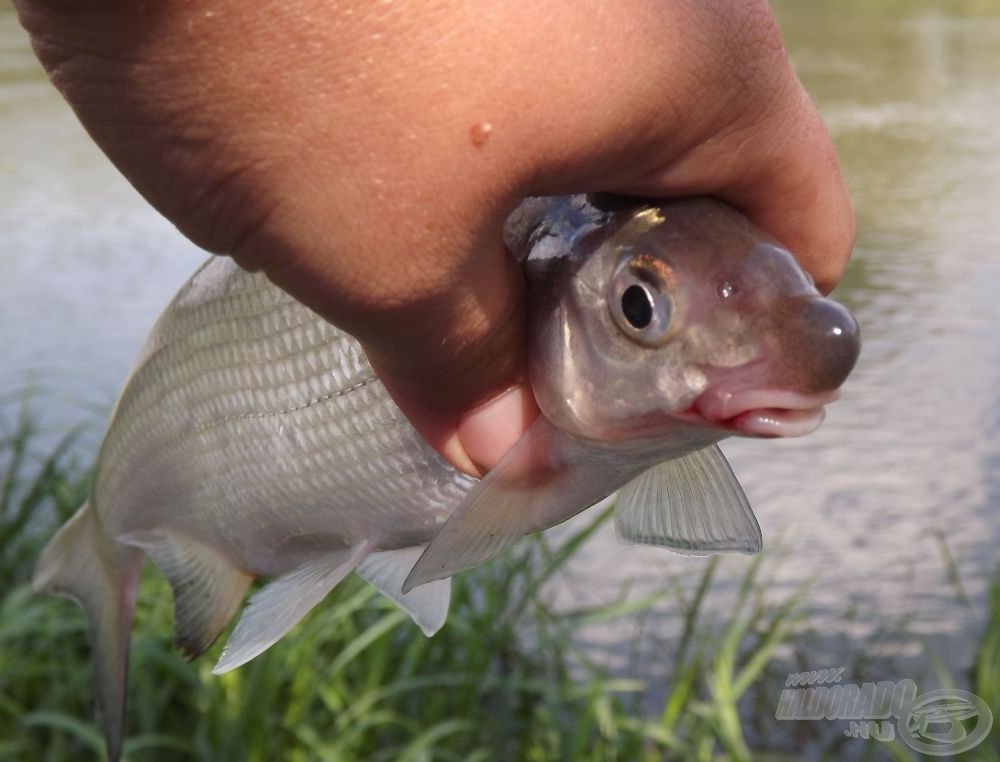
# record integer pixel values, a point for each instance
(545, 478)
(427, 605)
(278, 606)
(207, 587)
(691, 505)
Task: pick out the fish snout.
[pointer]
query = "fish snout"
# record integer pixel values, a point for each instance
(818, 342)
(823, 350)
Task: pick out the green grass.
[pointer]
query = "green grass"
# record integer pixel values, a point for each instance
(505, 679)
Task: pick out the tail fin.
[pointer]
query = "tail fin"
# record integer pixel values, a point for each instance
(100, 575)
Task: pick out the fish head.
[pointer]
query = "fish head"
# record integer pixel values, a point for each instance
(680, 317)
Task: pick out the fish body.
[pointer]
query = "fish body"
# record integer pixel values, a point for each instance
(261, 430)
(253, 440)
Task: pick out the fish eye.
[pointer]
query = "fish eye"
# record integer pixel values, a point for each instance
(637, 306)
(640, 300)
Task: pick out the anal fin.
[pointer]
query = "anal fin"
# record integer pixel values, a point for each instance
(279, 605)
(427, 605)
(692, 505)
(207, 587)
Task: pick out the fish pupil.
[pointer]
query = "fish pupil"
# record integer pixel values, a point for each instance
(637, 306)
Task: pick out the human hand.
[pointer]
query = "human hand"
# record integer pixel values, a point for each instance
(365, 155)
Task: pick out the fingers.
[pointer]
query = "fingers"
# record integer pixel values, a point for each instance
(441, 315)
(488, 432)
(797, 193)
(346, 153)
(365, 156)
(456, 365)
(781, 170)
(749, 134)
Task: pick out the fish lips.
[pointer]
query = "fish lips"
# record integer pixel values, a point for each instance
(771, 413)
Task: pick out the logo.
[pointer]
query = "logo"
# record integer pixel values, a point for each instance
(935, 722)
(940, 722)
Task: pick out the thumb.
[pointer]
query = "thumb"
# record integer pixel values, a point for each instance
(456, 366)
(445, 333)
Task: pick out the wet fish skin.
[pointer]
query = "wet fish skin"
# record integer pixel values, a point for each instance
(744, 314)
(739, 342)
(261, 430)
(253, 440)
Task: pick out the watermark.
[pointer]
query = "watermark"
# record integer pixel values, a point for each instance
(942, 722)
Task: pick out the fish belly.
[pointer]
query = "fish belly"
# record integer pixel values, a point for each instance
(255, 427)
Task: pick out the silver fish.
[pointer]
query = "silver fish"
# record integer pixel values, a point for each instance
(252, 439)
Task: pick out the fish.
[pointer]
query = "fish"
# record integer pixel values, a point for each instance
(252, 440)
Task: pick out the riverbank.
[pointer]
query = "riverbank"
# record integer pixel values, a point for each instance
(508, 678)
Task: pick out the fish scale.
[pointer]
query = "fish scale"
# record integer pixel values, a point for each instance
(339, 457)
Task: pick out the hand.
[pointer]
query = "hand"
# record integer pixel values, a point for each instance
(365, 154)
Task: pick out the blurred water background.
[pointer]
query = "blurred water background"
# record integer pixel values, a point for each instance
(893, 507)
(908, 463)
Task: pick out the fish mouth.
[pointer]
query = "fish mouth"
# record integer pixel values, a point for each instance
(765, 412)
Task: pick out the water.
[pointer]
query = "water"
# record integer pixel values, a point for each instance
(909, 460)
(85, 263)
(910, 456)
